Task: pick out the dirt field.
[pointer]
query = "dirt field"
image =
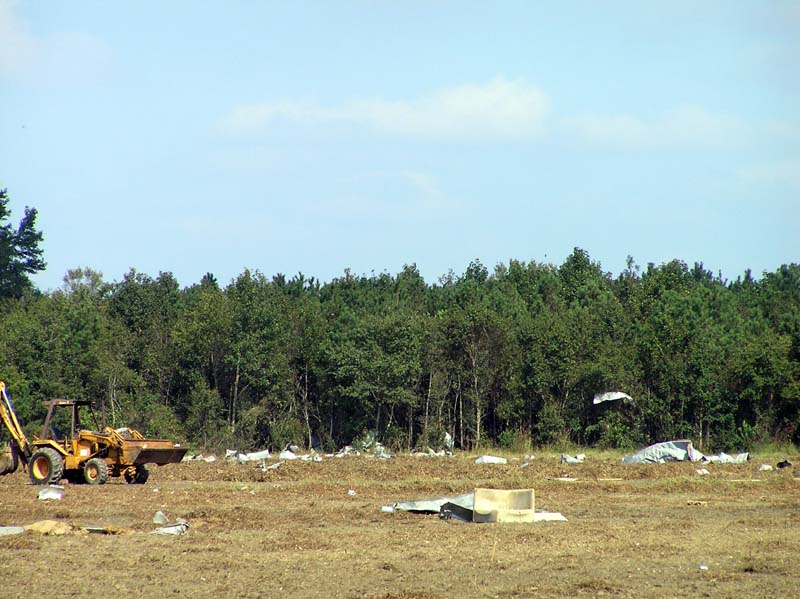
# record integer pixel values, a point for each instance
(633, 531)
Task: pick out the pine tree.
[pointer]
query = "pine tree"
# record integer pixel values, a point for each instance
(20, 254)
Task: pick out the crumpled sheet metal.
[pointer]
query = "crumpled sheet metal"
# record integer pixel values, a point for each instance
(724, 458)
(680, 451)
(611, 396)
(491, 459)
(461, 507)
(668, 451)
(179, 528)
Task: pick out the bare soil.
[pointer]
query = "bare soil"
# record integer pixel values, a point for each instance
(633, 531)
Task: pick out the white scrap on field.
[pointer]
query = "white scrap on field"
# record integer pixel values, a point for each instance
(256, 456)
(179, 528)
(570, 460)
(274, 466)
(287, 454)
(765, 468)
(490, 459)
(611, 396)
(199, 457)
(51, 492)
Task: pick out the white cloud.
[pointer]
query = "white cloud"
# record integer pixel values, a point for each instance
(685, 125)
(501, 109)
(18, 48)
(54, 58)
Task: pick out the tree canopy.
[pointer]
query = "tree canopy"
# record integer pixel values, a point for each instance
(496, 356)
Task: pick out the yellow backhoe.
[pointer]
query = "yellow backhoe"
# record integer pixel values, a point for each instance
(80, 455)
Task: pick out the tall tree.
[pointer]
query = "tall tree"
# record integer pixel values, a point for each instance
(20, 254)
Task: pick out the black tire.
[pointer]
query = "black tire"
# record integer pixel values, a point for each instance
(8, 460)
(139, 477)
(95, 472)
(45, 466)
(74, 477)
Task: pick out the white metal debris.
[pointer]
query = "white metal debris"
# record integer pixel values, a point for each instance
(179, 528)
(51, 492)
(611, 396)
(490, 459)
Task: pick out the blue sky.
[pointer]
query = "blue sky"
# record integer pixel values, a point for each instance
(198, 137)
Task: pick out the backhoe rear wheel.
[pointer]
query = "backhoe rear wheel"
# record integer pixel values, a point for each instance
(138, 476)
(95, 472)
(46, 466)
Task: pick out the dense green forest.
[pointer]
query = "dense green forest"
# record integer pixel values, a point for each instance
(498, 357)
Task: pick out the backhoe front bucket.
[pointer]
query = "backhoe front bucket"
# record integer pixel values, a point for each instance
(155, 455)
(8, 460)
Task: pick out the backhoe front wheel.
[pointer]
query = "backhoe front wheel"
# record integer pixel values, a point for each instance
(137, 475)
(46, 466)
(95, 472)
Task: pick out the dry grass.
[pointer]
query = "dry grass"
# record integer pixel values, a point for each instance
(633, 531)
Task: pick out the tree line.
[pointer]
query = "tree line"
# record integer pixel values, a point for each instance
(501, 357)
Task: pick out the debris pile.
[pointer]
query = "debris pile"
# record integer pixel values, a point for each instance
(680, 451)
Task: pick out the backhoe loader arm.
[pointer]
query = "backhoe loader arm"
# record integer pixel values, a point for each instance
(19, 442)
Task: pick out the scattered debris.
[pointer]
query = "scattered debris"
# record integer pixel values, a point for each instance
(765, 468)
(724, 458)
(51, 492)
(784, 464)
(50, 527)
(160, 518)
(287, 454)
(388, 509)
(668, 451)
(565, 479)
(525, 465)
(198, 457)
(702, 567)
(491, 505)
(346, 451)
(703, 472)
(577, 459)
(351, 492)
(380, 452)
(11, 530)
(274, 466)
(449, 442)
(549, 517)
(179, 528)
(106, 530)
(696, 502)
(680, 451)
(611, 396)
(256, 456)
(311, 457)
(490, 459)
